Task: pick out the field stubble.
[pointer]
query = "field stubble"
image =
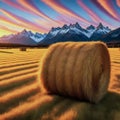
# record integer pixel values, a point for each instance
(20, 96)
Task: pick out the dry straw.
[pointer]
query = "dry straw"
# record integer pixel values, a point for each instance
(79, 70)
(23, 49)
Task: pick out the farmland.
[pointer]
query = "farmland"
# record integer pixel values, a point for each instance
(21, 97)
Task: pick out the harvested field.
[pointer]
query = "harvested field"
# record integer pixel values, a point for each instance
(21, 97)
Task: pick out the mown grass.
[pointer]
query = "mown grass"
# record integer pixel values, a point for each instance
(14, 83)
(21, 99)
(11, 70)
(19, 95)
(57, 107)
(18, 73)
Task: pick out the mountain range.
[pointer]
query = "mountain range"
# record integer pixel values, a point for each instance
(23, 38)
(72, 32)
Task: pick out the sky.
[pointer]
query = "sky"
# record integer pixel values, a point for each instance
(41, 15)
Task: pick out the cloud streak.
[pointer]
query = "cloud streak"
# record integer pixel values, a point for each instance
(7, 29)
(62, 10)
(35, 15)
(91, 13)
(93, 16)
(31, 7)
(106, 7)
(118, 3)
(25, 6)
(22, 22)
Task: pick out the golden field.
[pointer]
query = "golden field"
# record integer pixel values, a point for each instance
(21, 98)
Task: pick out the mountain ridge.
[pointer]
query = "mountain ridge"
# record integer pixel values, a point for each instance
(71, 32)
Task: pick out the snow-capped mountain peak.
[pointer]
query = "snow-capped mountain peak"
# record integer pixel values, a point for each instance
(91, 27)
(37, 37)
(24, 31)
(65, 26)
(53, 32)
(77, 25)
(101, 28)
(54, 29)
(22, 37)
(77, 29)
(67, 32)
(99, 32)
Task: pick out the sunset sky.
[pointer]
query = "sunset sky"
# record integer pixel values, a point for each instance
(41, 15)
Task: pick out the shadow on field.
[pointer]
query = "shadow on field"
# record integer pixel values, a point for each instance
(54, 107)
(61, 108)
(6, 52)
(64, 108)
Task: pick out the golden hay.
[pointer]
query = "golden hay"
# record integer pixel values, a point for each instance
(23, 49)
(80, 70)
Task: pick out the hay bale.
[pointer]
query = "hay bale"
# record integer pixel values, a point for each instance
(23, 49)
(80, 70)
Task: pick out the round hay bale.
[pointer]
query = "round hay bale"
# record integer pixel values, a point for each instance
(23, 49)
(80, 70)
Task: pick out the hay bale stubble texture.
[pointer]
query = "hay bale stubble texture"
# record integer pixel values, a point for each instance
(79, 70)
